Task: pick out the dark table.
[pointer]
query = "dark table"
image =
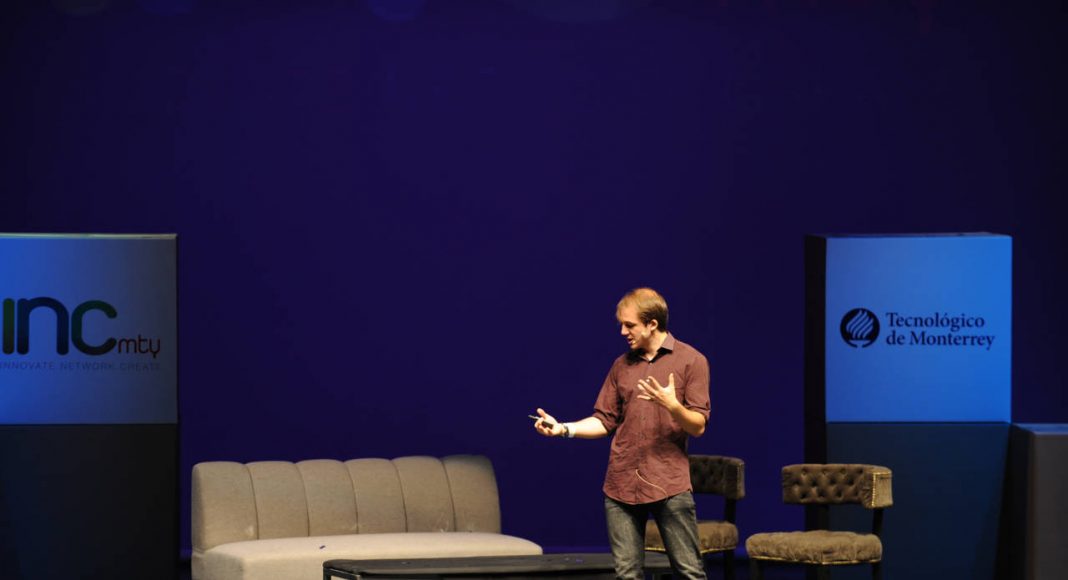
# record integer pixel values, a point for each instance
(571, 566)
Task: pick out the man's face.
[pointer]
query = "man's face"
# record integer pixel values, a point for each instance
(638, 335)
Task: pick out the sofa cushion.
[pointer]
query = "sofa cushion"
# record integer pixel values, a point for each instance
(379, 499)
(427, 496)
(224, 505)
(331, 503)
(281, 502)
(302, 558)
(474, 493)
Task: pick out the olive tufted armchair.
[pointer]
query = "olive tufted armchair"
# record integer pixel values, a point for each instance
(824, 485)
(718, 475)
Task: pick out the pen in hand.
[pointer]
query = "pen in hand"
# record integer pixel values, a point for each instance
(544, 421)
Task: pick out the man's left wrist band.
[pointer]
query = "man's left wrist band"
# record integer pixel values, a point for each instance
(569, 430)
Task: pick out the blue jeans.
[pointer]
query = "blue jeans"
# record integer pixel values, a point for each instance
(677, 518)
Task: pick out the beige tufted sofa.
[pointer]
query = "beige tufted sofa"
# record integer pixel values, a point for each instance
(273, 520)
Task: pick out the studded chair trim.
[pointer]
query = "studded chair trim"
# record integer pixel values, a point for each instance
(815, 563)
(837, 483)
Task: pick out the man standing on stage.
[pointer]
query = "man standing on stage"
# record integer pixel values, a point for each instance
(654, 398)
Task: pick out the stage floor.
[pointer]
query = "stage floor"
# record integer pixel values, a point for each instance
(715, 572)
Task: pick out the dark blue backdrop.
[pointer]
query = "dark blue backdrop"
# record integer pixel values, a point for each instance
(404, 225)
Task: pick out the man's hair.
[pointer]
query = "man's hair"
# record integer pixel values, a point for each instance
(650, 305)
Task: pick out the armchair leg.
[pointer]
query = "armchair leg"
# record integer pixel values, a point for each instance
(823, 572)
(877, 571)
(728, 565)
(756, 571)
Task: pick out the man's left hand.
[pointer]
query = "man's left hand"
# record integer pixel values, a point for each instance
(663, 396)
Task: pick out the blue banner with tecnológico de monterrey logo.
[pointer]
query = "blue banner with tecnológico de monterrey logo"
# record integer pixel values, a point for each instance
(918, 328)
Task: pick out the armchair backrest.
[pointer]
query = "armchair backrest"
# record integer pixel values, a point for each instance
(719, 475)
(837, 483)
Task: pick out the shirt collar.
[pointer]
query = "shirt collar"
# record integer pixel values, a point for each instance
(668, 346)
(669, 343)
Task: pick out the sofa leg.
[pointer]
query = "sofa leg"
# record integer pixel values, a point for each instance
(756, 571)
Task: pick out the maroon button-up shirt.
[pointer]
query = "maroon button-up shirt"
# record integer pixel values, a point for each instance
(648, 460)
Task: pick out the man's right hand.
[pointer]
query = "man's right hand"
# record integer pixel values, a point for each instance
(547, 425)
